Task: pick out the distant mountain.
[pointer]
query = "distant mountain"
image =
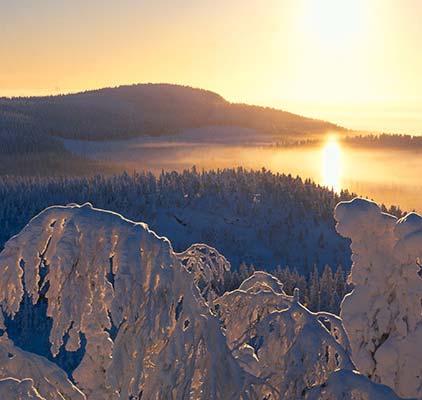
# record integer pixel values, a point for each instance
(144, 109)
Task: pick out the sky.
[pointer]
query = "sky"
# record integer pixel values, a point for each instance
(354, 62)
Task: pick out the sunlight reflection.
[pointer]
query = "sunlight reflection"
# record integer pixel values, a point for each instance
(331, 164)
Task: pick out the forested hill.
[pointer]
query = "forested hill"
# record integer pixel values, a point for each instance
(255, 217)
(258, 219)
(144, 109)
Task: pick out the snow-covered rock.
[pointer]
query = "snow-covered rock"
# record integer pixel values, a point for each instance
(148, 331)
(382, 315)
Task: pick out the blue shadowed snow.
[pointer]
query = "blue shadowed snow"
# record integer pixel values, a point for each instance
(30, 330)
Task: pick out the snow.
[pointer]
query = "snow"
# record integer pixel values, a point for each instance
(11, 388)
(208, 267)
(252, 217)
(382, 315)
(274, 336)
(130, 149)
(105, 271)
(49, 380)
(261, 280)
(350, 385)
(155, 325)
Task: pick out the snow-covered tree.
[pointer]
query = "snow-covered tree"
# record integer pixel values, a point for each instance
(116, 297)
(350, 385)
(327, 289)
(220, 208)
(314, 292)
(148, 331)
(11, 388)
(208, 268)
(382, 315)
(273, 335)
(47, 378)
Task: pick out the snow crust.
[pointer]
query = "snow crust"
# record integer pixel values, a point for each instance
(382, 315)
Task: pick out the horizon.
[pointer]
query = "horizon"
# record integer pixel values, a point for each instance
(351, 63)
(307, 112)
(211, 200)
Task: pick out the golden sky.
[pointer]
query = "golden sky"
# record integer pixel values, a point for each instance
(354, 62)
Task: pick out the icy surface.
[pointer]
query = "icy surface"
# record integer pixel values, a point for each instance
(382, 315)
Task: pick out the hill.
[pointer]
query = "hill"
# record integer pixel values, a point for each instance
(252, 217)
(144, 109)
(31, 128)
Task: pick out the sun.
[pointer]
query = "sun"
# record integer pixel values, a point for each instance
(334, 23)
(331, 164)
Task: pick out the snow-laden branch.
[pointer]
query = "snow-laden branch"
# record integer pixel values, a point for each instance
(208, 267)
(274, 337)
(11, 388)
(382, 315)
(262, 281)
(350, 385)
(149, 332)
(101, 272)
(49, 380)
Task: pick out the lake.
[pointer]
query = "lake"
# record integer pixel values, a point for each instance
(388, 176)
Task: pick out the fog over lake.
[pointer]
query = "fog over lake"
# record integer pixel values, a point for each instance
(388, 176)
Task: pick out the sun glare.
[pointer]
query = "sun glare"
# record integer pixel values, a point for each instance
(334, 22)
(331, 164)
